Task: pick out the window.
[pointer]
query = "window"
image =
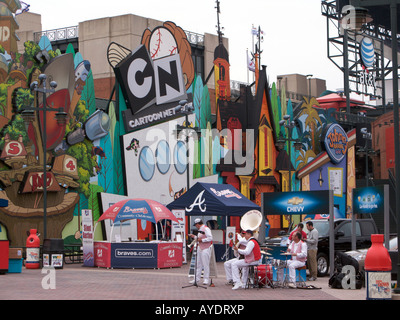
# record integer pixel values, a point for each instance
(180, 158)
(346, 229)
(163, 157)
(146, 164)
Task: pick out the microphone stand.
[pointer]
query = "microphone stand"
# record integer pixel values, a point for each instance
(195, 271)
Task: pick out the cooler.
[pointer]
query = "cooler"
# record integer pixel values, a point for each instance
(15, 265)
(15, 260)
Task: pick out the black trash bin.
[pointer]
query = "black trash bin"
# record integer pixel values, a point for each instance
(53, 253)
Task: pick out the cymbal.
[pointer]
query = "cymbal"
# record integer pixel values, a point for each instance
(286, 254)
(266, 253)
(266, 248)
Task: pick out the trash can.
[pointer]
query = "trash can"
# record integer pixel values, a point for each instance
(4, 253)
(378, 266)
(53, 253)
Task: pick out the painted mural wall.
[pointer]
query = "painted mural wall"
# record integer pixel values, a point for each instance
(118, 151)
(71, 147)
(71, 167)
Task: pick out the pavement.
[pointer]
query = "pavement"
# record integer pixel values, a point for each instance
(76, 282)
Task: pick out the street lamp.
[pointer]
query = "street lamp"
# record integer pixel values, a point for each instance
(309, 76)
(186, 108)
(31, 114)
(288, 123)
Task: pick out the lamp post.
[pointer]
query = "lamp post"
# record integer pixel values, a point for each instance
(309, 76)
(31, 114)
(289, 124)
(186, 108)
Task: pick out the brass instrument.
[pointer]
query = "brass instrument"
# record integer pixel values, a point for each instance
(236, 248)
(251, 221)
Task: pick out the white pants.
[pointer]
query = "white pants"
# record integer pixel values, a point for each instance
(228, 269)
(203, 262)
(292, 265)
(242, 264)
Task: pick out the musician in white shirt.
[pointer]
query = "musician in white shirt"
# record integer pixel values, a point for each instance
(204, 247)
(242, 243)
(298, 251)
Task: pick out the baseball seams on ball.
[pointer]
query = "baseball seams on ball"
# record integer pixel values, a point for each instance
(162, 43)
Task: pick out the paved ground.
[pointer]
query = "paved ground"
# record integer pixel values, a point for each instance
(76, 282)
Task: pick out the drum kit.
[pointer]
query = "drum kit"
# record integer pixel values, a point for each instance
(263, 274)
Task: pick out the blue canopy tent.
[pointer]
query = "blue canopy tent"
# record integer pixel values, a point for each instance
(209, 199)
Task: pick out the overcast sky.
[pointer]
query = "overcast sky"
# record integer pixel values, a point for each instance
(294, 30)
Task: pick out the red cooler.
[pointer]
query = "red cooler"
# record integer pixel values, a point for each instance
(4, 253)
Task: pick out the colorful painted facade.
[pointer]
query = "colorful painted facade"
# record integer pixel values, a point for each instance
(111, 152)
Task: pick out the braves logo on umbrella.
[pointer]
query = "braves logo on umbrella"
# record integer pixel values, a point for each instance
(135, 210)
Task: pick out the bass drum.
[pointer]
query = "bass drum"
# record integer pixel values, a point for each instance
(263, 272)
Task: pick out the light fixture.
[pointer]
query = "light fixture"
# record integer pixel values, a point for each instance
(28, 116)
(61, 117)
(320, 180)
(298, 146)
(280, 144)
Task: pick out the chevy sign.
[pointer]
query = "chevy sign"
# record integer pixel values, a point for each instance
(302, 202)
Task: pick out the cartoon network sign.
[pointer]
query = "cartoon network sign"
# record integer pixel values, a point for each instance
(335, 142)
(145, 82)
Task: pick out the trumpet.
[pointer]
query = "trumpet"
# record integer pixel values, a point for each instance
(192, 244)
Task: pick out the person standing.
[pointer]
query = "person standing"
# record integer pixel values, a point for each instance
(312, 249)
(204, 247)
(299, 228)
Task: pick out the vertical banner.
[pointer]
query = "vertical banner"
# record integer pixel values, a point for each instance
(230, 236)
(87, 238)
(178, 231)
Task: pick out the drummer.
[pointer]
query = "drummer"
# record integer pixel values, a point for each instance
(298, 250)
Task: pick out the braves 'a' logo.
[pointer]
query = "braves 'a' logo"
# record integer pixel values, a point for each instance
(199, 201)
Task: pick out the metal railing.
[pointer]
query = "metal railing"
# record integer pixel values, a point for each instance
(195, 38)
(73, 32)
(58, 34)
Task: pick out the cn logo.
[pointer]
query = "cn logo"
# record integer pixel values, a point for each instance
(171, 253)
(145, 82)
(199, 201)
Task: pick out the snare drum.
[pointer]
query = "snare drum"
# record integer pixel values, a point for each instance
(263, 272)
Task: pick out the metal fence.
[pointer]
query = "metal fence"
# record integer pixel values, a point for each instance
(58, 34)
